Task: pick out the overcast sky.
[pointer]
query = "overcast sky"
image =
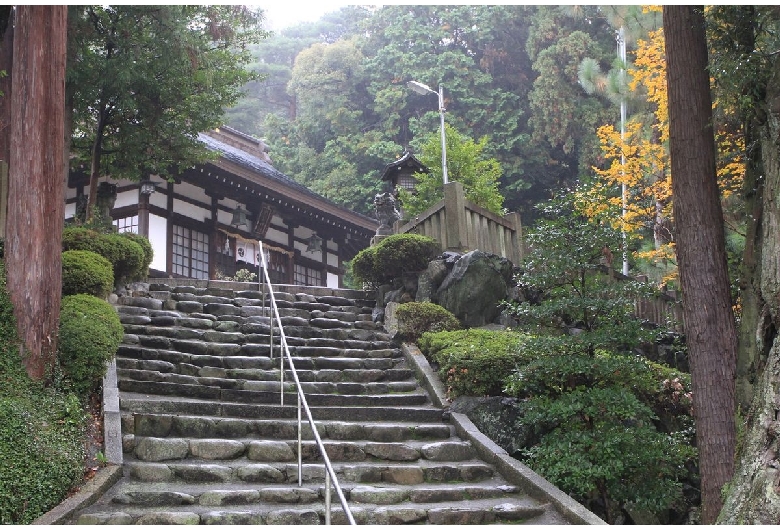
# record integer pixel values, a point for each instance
(286, 13)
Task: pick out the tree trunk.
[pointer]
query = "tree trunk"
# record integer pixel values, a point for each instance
(701, 254)
(36, 191)
(6, 63)
(754, 495)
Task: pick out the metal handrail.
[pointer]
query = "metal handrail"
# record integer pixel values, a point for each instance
(330, 475)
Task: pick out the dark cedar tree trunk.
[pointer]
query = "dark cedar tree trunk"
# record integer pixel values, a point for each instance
(701, 256)
(36, 192)
(6, 60)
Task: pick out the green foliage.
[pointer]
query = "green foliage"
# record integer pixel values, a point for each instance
(600, 443)
(337, 107)
(601, 435)
(393, 256)
(148, 253)
(90, 333)
(126, 253)
(41, 433)
(570, 283)
(466, 163)
(242, 275)
(416, 318)
(147, 79)
(664, 390)
(611, 430)
(474, 362)
(84, 271)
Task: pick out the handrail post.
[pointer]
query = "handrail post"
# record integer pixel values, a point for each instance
(300, 444)
(327, 498)
(303, 406)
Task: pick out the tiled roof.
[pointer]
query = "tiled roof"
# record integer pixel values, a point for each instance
(250, 161)
(241, 157)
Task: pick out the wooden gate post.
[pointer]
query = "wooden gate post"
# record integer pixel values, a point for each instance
(455, 216)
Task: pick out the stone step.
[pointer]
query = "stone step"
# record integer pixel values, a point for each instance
(249, 357)
(353, 298)
(154, 449)
(481, 511)
(230, 495)
(142, 349)
(197, 323)
(238, 395)
(266, 374)
(193, 314)
(206, 440)
(268, 384)
(163, 425)
(158, 404)
(183, 306)
(251, 472)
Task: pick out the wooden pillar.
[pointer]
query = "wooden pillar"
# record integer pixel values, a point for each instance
(455, 210)
(518, 251)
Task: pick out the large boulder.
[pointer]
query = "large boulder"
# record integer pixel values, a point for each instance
(475, 287)
(430, 279)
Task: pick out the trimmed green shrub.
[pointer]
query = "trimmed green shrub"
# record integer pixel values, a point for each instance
(129, 257)
(401, 253)
(416, 318)
(475, 362)
(146, 247)
(364, 267)
(393, 256)
(125, 254)
(85, 272)
(90, 333)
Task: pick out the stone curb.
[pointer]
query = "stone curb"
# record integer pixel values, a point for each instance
(87, 495)
(513, 470)
(112, 446)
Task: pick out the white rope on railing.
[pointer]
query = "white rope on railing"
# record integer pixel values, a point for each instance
(284, 352)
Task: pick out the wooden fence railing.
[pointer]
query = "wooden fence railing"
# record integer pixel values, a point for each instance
(461, 226)
(663, 309)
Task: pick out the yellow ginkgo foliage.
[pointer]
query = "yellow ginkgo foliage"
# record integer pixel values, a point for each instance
(640, 161)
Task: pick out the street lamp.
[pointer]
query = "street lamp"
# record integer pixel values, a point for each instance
(621, 51)
(425, 89)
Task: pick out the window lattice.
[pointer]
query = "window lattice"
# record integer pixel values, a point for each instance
(127, 224)
(190, 253)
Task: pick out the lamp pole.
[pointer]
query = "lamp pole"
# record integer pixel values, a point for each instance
(425, 89)
(621, 50)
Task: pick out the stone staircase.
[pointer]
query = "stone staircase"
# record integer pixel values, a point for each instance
(205, 439)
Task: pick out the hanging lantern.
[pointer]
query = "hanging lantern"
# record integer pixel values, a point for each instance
(147, 187)
(314, 244)
(239, 218)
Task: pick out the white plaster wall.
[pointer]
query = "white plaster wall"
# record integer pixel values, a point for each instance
(70, 193)
(70, 210)
(333, 259)
(333, 281)
(190, 210)
(159, 199)
(275, 236)
(126, 198)
(192, 191)
(158, 236)
(303, 232)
